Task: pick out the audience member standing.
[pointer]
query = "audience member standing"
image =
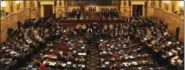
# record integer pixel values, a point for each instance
(19, 25)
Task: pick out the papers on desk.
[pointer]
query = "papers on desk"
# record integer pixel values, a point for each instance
(103, 66)
(169, 43)
(119, 45)
(145, 39)
(52, 63)
(125, 64)
(104, 52)
(165, 33)
(81, 53)
(69, 42)
(81, 65)
(63, 65)
(49, 63)
(13, 52)
(74, 51)
(107, 63)
(70, 48)
(174, 51)
(66, 39)
(4, 48)
(81, 41)
(30, 66)
(51, 56)
(82, 47)
(108, 45)
(101, 40)
(134, 63)
(61, 52)
(74, 65)
(69, 62)
(179, 61)
(28, 41)
(65, 31)
(179, 48)
(164, 56)
(170, 53)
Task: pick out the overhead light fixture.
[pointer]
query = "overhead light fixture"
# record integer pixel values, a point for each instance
(181, 4)
(3, 4)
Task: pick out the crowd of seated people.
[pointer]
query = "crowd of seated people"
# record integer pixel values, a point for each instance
(71, 56)
(104, 13)
(121, 46)
(163, 43)
(109, 13)
(75, 13)
(24, 42)
(143, 30)
(120, 54)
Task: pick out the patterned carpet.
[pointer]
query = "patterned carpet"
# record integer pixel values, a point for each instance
(93, 57)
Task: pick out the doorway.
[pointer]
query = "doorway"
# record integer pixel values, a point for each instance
(48, 11)
(137, 10)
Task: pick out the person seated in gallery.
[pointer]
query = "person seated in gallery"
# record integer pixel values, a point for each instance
(106, 13)
(73, 13)
(78, 14)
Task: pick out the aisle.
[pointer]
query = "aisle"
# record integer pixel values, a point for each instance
(93, 62)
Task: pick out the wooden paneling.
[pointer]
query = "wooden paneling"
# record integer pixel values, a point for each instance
(173, 21)
(11, 20)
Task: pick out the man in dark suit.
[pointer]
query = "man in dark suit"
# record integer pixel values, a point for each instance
(177, 33)
(19, 24)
